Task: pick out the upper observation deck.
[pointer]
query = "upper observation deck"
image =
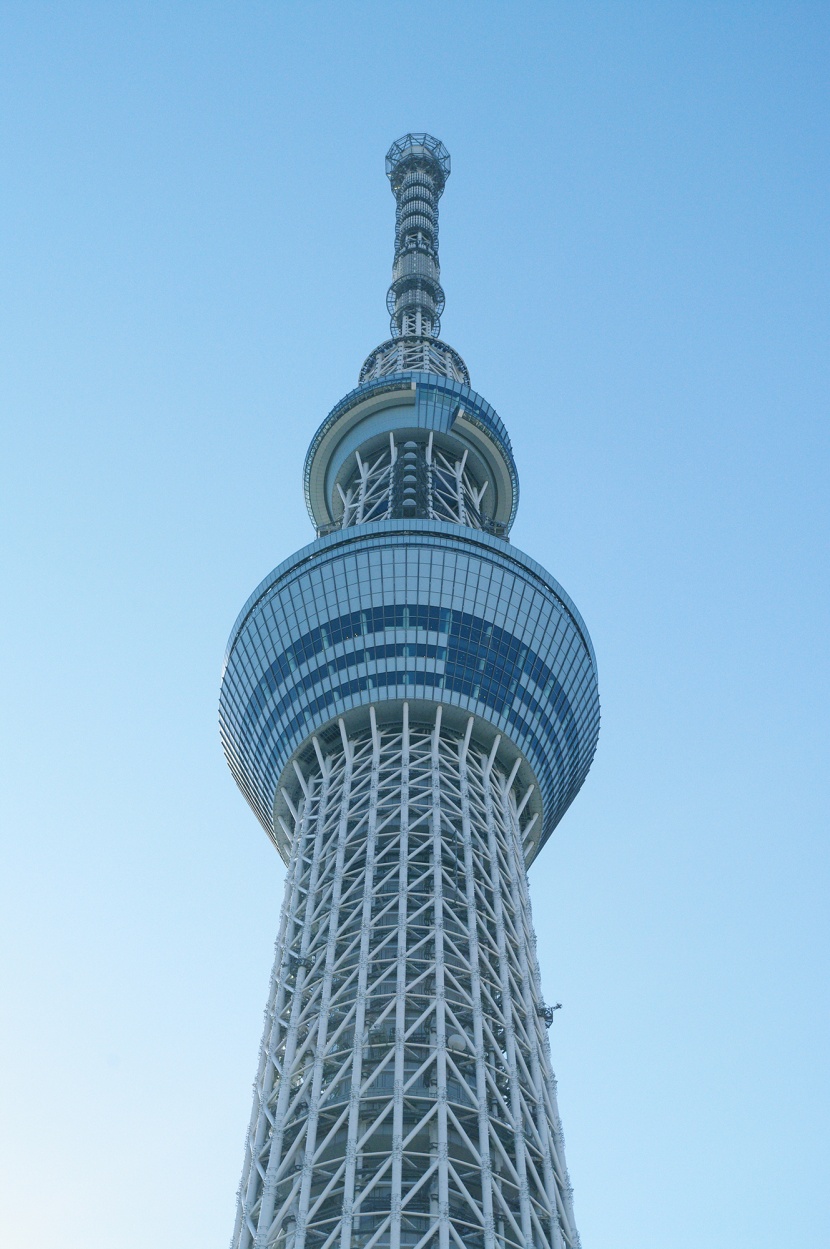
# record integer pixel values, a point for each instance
(417, 407)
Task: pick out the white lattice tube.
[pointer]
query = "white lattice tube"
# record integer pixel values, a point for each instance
(404, 1096)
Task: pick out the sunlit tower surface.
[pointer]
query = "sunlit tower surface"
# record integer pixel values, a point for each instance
(410, 705)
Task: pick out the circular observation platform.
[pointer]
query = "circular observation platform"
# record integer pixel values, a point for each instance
(419, 612)
(409, 404)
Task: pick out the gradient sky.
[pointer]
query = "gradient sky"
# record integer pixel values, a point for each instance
(196, 237)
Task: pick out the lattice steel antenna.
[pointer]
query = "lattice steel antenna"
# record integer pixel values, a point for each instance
(410, 705)
(417, 167)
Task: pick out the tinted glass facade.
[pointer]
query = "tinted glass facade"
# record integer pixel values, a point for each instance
(410, 610)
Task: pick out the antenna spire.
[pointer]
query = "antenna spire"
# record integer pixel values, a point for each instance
(417, 166)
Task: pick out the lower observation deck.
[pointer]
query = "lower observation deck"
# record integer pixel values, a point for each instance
(413, 611)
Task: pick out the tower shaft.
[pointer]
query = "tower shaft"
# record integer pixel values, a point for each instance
(404, 1094)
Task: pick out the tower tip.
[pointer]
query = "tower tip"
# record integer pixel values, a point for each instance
(417, 149)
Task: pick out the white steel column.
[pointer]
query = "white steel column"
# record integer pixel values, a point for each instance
(440, 1003)
(268, 1072)
(506, 997)
(557, 1183)
(400, 992)
(475, 973)
(360, 1014)
(532, 1021)
(269, 1186)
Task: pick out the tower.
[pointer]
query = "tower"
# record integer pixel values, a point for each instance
(410, 705)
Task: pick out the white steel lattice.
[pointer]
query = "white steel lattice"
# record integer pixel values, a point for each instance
(419, 355)
(415, 480)
(404, 1096)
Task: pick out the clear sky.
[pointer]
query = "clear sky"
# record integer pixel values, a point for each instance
(196, 238)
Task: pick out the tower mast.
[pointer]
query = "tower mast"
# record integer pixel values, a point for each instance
(409, 705)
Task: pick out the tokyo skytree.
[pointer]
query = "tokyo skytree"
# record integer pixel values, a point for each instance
(410, 705)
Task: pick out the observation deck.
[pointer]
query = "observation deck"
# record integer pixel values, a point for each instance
(411, 405)
(419, 611)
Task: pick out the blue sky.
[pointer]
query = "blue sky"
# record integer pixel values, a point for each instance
(195, 240)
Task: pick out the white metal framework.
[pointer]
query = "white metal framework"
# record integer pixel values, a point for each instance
(405, 1096)
(416, 355)
(413, 479)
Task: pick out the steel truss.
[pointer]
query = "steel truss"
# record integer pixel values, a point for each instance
(416, 355)
(405, 1096)
(413, 479)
